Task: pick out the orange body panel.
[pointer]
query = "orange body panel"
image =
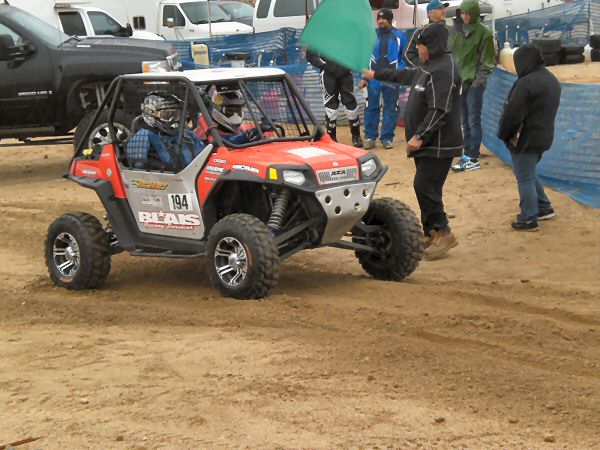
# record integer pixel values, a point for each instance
(105, 168)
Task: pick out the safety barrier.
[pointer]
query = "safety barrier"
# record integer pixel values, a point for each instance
(572, 165)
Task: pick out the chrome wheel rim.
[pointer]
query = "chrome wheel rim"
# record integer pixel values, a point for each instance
(101, 135)
(66, 255)
(231, 261)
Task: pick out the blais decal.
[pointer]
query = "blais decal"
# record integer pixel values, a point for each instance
(169, 221)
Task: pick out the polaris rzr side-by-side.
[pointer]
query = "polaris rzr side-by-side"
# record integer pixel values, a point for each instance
(232, 165)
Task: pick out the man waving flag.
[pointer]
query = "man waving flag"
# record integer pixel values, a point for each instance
(343, 31)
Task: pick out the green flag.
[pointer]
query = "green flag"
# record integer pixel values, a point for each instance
(343, 31)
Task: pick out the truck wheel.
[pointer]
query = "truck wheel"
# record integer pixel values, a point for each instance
(99, 134)
(77, 252)
(242, 258)
(398, 238)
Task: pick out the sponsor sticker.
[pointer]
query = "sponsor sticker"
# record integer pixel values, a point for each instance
(169, 220)
(245, 168)
(219, 161)
(210, 180)
(142, 184)
(180, 202)
(152, 200)
(215, 169)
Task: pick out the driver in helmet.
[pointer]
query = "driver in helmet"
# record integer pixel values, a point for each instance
(225, 106)
(156, 143)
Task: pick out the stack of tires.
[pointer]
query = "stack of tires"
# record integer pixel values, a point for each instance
(571, 54)
(550, 49)
(595, 44)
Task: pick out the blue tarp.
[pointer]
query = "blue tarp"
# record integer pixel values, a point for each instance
(572, 165)
(571, 22)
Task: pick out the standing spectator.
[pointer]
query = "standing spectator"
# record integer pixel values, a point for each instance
(473, 49)
(436, 13)
(527, 129)
(433, 133)
(386, 55)
(336, 82)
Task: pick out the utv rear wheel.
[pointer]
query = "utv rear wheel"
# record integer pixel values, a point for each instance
(100, 134)
(77, 252)
(395, 232)
(243, 261)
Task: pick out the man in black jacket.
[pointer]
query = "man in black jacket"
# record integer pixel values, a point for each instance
(433, 131)
(527, 129)
(336, 82)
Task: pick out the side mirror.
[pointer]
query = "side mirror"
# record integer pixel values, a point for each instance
(170, 22)
(6, 43)
(128, 30)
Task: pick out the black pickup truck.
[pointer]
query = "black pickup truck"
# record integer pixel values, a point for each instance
(50, 82)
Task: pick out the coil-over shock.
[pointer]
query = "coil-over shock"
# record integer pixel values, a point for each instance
(279, 211)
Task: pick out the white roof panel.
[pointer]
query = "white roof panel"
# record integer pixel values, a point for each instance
(217, 74)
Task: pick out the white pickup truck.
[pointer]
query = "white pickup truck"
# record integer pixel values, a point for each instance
(79, 18)
(175, 19)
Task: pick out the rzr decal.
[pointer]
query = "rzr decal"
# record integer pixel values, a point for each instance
(171, 221)
(141, 184)
(89, 172)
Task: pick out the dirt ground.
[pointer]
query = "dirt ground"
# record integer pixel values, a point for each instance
(495, 346)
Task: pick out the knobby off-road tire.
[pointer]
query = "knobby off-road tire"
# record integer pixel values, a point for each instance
(595, 55)
(77, 252)
(100, 134)
(595, 41)
(399, 238)
(242, 258)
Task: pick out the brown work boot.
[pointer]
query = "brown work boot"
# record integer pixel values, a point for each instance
(441, 243)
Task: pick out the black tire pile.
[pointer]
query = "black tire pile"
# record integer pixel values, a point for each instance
(555, 53)
(595, 44)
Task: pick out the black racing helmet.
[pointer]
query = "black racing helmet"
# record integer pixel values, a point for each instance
(162, 111)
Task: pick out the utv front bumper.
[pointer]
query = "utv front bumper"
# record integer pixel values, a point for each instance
(344, 206)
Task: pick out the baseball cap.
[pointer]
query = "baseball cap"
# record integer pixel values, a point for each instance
(436, 4)
(385, 13)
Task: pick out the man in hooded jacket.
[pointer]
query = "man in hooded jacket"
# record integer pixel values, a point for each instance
(474, 52)
(527, 128)
(433, 131)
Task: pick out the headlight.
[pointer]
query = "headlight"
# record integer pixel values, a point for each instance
(368, 167)
(294, 177)
(156, 66)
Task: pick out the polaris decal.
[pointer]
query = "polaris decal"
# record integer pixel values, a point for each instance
(245, 168)
(419, 88)
(142, 184)
(169, 221)
(180, 202)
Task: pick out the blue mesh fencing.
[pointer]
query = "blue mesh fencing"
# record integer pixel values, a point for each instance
(572, 165)
(571, 22)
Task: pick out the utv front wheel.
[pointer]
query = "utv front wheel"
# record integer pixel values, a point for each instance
(393, 230)
(242, 258)
(77, 252)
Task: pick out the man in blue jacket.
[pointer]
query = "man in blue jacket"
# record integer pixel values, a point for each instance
(387, 54)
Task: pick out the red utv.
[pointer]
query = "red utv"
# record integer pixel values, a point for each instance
(247, 198)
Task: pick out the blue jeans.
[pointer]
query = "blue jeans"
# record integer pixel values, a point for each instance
(390, 111)
(471, 103)
(531, 192)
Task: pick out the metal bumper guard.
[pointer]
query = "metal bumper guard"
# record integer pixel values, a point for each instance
(344, 206)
